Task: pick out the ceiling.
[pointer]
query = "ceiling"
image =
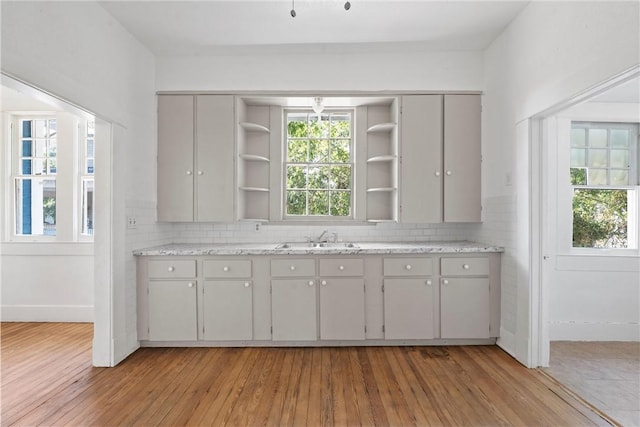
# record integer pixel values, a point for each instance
(214, 26)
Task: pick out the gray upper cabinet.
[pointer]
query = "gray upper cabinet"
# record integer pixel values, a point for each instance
(195, 158)
(440, 159)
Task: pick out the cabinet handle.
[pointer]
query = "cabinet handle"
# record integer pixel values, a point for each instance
(465, 266)
(225, 268)
(341, 268)
(170, 269)
(292, 268)
(247, 284)
(437, 173)
(310, 283)
(190, 284)
(189, 172)
(445, 282)
(428, 282)
(408, 266)
(200, 173)
(448, 173)
(323, 283)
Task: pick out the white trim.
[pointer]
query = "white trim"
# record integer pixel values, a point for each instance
(593, 331)
(47, 313)
(507, 341)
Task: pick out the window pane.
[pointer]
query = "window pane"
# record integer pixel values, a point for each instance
(41, 148)
(341, 203)
(297, 125)
(578, 157)
(297, 177)
(619, 177)
(597, 177)
(597, 158)
(341, 177)
(89, 166)
(578, 138)
(318, 203)
(319, 177)
(340, 151)
(35, 207)
(619, 159)
(27, 147)
(599, 218)
(318, 151)
(87, 207)
(578, 176)
(619, 138)
(26, 129)
(340, 126)
(297, 151)
(597, 137)
(296, 203)
(39, 167)
(318, 126)
(41, 128)
(53, 167)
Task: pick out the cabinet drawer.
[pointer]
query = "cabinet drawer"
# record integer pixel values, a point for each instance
(341, 267)
(172, 269)
(227, 268)
(293, 267)
(464, 266)
(408, 266)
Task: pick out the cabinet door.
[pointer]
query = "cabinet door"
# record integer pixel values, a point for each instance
(172, 311)
(293, 310)
(175, 157)
(464, 305)
(228, 310)
(342, 309)
(462, 158)
(408, 309)
(214, 160)
(421, 165)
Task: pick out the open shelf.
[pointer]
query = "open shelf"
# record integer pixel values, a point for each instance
(386, 158)
(381, 127)
(254, 127)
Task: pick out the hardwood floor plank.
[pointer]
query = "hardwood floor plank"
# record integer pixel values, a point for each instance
(350, 386)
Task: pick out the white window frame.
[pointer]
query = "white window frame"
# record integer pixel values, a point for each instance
(633, 189)
(352, 163)
(84, 177)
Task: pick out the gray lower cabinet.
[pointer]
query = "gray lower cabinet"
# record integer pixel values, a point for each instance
(342, 309)
(409, 309)
(293, 310)
(227, 310)
(173, 310)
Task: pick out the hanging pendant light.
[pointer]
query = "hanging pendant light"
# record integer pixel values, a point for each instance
(317, 105)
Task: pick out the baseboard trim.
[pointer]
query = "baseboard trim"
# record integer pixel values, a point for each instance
(593, 331)
(46, 313)
(507, 342)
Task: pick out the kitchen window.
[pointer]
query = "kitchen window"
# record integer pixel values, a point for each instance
(319, 165)
(604, 180)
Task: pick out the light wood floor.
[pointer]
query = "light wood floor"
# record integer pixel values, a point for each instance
(606, 374)
(47, 379)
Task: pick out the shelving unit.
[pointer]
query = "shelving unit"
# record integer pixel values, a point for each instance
(382, 163)
(253, 162)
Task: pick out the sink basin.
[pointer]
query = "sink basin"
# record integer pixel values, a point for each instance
(314, 245)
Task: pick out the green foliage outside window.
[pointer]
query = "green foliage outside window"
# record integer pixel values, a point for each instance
(319, 164)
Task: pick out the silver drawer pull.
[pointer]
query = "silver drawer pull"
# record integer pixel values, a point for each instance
(341, 268)
(292, 268)
(247, 284)
(445, 282)
(323, 283)
(310, 283)
(408, 266)
(465, 266)
(225, 268)
(190, 284)
(171, 269)
(428, 282)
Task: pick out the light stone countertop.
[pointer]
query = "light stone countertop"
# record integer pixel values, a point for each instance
(364, 248)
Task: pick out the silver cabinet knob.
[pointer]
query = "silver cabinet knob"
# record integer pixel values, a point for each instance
(408, 266)
(465, 266)
(310, 283)
(323, 283)
(437, 173)
(428, 282)
(200, 173)
(247, 284)
(225, 268)
(170, 269)
(189, 172)
(190, 284)
(292, 268)
(341, 268)
(448, 173)
(445, 282)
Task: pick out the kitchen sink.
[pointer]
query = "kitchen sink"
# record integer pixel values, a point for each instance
(316, 245)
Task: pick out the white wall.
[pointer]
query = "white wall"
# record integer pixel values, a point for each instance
(77, 51)
(549, 53)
